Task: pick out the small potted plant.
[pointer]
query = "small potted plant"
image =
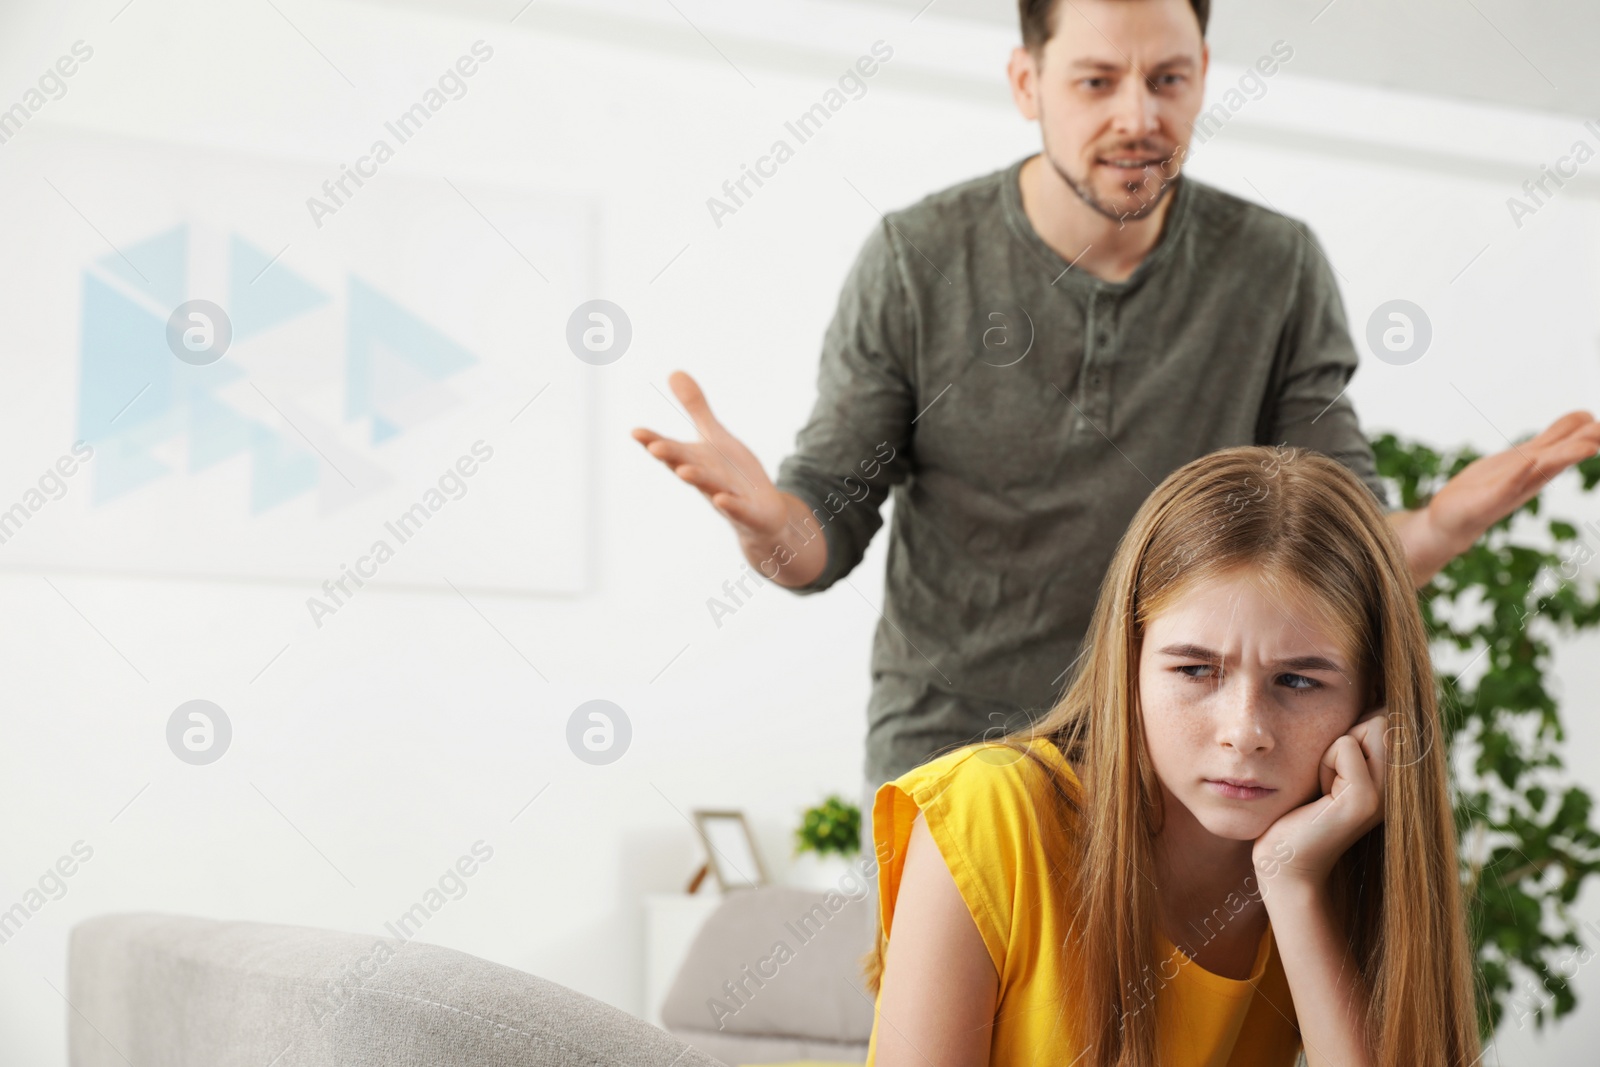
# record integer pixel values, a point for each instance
(826, 839)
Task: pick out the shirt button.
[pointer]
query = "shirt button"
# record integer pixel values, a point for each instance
(1105, 338)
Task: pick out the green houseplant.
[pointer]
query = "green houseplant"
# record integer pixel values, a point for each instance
(1527, 844)
(834, 826)
(827, 837)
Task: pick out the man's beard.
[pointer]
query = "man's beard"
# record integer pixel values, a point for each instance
(1088, 196)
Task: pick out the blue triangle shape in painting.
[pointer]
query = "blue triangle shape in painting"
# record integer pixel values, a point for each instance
(158, 266)
(260, 299)
(382, 429)
(125, 370)
(216, 431)
(374, 318)
(279, 471)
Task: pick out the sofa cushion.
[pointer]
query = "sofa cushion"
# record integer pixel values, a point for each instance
(780, 963)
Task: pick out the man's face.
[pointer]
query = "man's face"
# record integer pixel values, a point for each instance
(1116, 91)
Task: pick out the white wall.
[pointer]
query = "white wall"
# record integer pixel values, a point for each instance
(371, 754)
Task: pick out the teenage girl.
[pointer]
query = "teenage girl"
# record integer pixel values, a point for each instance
(1230, 842)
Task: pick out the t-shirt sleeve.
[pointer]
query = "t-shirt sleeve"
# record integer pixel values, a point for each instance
(1314, 364)
(980, 813)
(855, 446)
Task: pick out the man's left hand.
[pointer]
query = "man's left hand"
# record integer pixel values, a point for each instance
(1489, 489)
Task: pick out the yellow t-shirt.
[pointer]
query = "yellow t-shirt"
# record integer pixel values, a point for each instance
(990, 811)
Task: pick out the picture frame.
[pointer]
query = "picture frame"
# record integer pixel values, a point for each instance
(731, 850)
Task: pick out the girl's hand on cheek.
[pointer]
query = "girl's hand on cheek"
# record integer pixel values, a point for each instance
(1303, 844)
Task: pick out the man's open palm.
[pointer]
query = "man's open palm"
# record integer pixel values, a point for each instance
(1493, 487)
(718, 465)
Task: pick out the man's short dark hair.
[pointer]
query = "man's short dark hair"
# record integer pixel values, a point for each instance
(1038, 20)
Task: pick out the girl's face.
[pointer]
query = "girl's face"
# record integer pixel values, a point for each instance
(1236, 685)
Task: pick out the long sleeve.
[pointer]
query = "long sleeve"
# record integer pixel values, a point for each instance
(1314, 363)
(856, 444)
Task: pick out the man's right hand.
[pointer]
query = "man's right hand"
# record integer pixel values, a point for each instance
(776, 530)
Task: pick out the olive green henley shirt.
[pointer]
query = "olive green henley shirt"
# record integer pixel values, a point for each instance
(1020, 411)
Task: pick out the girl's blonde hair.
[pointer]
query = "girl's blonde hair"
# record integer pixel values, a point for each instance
(1307, 529)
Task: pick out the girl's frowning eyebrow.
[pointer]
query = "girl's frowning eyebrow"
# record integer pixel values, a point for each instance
(1295, 663)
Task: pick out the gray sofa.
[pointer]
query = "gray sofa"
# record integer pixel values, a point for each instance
(177, 991)
(180, 991)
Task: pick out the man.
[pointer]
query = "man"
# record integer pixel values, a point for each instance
(1022, 357)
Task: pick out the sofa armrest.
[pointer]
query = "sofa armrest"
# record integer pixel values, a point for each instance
(182, 991)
